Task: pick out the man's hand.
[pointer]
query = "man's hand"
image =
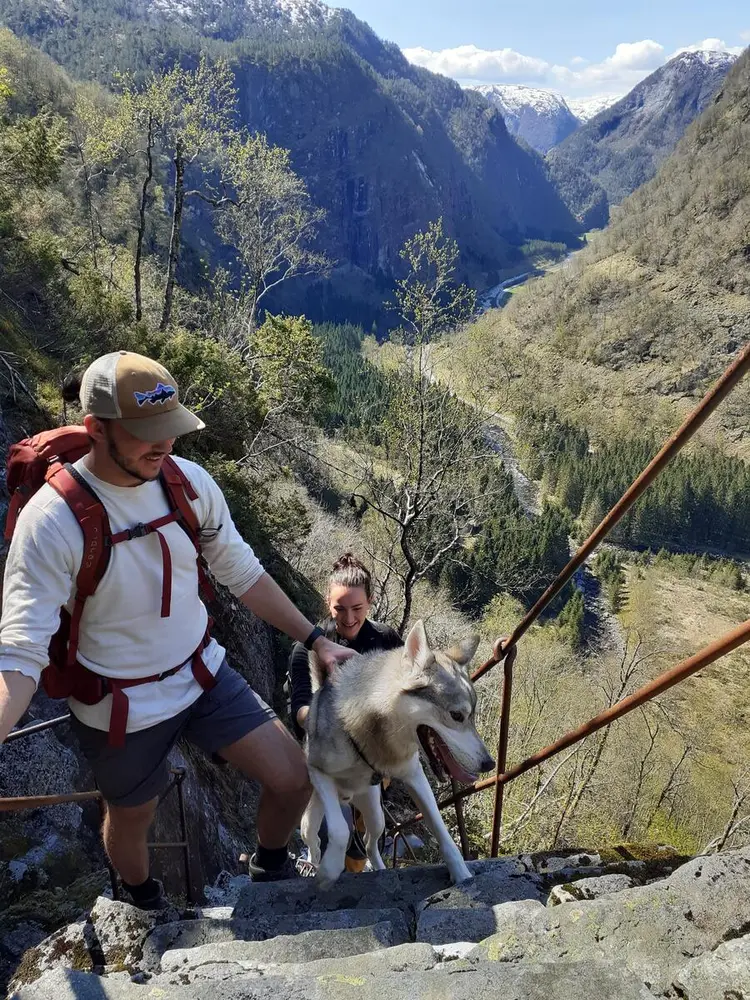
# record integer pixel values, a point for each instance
(330, 654)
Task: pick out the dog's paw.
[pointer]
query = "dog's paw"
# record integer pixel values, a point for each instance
(324, 882)
(326, 879)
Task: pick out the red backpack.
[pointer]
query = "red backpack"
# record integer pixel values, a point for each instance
(48, 458)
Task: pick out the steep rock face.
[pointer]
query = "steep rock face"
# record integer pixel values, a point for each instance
(622, 147)
(539, 117)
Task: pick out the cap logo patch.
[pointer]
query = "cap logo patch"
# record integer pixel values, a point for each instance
(158, 395)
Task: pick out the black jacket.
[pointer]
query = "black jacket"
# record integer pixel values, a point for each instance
(370, 637)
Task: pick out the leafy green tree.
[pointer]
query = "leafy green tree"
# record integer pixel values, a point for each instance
(119, 133)
(286, 368)
(428, 300)
(426, 494)
(268, 219)
(195, 111)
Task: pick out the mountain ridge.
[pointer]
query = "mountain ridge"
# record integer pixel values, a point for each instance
(384, 147)
(621, 148)
(539, 117)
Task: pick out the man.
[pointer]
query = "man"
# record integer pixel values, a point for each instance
(145, 617)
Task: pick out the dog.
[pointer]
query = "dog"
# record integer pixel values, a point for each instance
(368, 721)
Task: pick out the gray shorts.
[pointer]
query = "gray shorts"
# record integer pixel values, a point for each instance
(138, 772)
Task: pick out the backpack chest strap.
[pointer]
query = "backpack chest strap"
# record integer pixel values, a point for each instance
(140, 531)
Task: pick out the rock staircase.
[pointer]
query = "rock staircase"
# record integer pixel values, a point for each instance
(525, 928)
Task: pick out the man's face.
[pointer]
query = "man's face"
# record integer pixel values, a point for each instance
(140, 459)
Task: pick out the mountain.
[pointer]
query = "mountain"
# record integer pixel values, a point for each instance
(586, 108)
(634, 329)
(384, 146)
(539, 117)
(621, 147)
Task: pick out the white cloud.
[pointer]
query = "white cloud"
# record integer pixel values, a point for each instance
(647, 54)
(745, 35)
(469, 62)
(618, 73)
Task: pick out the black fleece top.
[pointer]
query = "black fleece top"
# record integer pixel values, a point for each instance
(370, 637)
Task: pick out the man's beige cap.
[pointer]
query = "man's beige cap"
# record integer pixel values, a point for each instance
(139, 393)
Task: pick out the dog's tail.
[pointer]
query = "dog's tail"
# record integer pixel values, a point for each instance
(317, 672)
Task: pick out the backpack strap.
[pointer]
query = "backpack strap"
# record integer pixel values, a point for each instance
(91, 515)
(179, 492)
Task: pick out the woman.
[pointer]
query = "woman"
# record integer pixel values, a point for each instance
(349, 599)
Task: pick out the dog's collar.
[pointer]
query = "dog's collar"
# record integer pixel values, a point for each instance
(376, 776)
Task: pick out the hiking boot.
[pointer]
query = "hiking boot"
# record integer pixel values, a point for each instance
(155, 900)
(258, 874)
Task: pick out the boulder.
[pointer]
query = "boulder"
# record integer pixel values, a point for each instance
(68, 948)
(121, 930)
(650, 929)
(214, 963)
(723, 974)
(588, 888)
(571, 981)
(194, 933)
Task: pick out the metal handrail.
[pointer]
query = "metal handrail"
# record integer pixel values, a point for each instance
(38, 727)
(19, 803)
(505, 648)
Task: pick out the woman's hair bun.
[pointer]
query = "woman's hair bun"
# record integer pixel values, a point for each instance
(348, 571)
(347, 561)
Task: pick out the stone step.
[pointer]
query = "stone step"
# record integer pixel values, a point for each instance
(185, 934)
(403, 888)
(571, 981)
(305, 947)
(231, 959)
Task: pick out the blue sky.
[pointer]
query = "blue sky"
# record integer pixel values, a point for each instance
(580, 48)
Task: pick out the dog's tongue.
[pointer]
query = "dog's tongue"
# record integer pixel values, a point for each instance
(451, 764)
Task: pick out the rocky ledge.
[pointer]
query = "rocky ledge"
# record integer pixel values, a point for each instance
(526, 928)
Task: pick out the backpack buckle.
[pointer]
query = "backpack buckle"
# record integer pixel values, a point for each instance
(138, 531)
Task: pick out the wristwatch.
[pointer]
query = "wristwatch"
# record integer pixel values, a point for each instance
(316, 634)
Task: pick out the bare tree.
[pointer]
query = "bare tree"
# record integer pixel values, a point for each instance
(426, 488)
(738, 822)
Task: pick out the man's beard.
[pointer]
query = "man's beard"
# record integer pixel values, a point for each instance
(122, 463)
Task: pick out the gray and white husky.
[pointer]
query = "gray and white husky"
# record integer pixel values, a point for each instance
(368, 721)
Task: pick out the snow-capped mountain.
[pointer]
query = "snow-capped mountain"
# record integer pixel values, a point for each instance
(622, 146)
(268, 13)
(586, 108)
(539, 117)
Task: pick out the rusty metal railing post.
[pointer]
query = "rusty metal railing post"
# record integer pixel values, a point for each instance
(509, 657)
(461, 822)
(179, 778)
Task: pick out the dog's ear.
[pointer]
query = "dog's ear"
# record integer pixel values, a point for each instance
(463, 650)
(417, 647)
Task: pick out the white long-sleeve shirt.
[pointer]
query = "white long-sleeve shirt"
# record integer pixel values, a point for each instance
(121, 631)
